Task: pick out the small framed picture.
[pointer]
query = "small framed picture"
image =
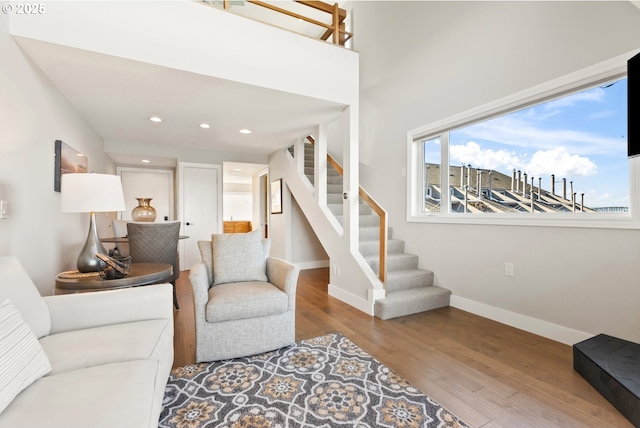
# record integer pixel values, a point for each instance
(276, 196)
(67, 160)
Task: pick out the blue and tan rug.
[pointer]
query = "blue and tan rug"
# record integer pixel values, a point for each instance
(327, 382)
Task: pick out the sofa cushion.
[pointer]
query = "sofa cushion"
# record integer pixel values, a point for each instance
(238, 257)
(16, 285)
(243, 300)
(112, 395)
(21, 356)
(116, 343)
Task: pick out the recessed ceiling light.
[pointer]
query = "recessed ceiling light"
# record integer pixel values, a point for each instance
(155, 119)
(205, 126)
(145, 161)
(245, 131)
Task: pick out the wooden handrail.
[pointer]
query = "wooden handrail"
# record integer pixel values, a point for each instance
(382, 274)
(324, 7)
(335, 29)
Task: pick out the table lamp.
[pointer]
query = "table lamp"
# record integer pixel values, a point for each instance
(91, 193)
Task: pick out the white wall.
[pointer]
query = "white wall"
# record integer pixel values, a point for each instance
(181, 153)
(148, 32)
(237, 202)
(425, 61)
(307, 251)
(34, 114)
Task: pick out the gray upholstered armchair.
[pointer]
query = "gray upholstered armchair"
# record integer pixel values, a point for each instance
(244, 301)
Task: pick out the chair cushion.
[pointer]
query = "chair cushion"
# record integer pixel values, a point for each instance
(238, 257)
(90, 347)
(23, 359)
(243, 300)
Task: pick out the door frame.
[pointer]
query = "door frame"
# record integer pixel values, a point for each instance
(262, 197)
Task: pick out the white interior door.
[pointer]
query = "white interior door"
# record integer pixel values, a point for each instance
(200, 208)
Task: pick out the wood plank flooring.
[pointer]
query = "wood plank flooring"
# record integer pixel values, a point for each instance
(488, 374)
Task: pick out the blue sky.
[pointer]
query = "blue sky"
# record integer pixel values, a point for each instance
(581, 137)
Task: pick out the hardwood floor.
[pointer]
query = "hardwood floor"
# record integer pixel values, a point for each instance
(488, 374)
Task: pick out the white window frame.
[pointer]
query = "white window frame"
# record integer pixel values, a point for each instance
(615, 68)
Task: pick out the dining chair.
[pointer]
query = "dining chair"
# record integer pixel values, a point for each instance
(120, 231)
(156, 243)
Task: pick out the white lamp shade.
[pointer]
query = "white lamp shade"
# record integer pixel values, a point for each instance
(83, 193)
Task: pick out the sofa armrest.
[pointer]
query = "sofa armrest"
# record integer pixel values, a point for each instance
(283, 275)
(87, 310)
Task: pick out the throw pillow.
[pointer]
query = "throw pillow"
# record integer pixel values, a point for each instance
(238, 257)
(22, 359)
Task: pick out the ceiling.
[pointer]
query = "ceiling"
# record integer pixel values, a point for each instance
(117, 97)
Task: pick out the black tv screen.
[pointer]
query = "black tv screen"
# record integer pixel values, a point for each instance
(633, 106)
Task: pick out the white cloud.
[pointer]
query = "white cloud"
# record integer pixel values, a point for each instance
(471, 153)
(602, 114)
(556, 161)
(559, 162)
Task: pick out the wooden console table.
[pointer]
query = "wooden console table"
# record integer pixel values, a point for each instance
(140, 274)
(236, 226)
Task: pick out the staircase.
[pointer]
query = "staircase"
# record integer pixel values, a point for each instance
(409, 290)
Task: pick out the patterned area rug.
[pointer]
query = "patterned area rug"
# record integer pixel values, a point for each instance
(327, 382)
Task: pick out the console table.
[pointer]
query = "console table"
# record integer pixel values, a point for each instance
(140, 274)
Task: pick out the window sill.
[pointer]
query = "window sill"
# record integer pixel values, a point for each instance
(576, 220)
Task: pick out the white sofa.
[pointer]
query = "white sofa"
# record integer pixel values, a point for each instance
(110, 353)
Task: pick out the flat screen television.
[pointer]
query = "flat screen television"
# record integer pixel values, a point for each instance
(633, 106)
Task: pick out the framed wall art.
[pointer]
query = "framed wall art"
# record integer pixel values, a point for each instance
(276, 196)
(67, 160)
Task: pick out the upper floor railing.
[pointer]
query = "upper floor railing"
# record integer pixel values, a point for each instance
(333, 25)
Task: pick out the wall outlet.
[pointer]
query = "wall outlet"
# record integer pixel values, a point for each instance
(4, 209)
(335, 269)
(508, 269)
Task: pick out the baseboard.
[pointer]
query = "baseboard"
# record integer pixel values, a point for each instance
(542, 328)
(351, 299)
(313, 265)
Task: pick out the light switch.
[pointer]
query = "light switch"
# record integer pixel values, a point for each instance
(4, 209)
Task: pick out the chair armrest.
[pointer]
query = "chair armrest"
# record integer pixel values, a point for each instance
(283, 275)
(199, 279)
(87, 310)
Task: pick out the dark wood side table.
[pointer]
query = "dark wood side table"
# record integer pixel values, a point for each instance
(140, 274)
